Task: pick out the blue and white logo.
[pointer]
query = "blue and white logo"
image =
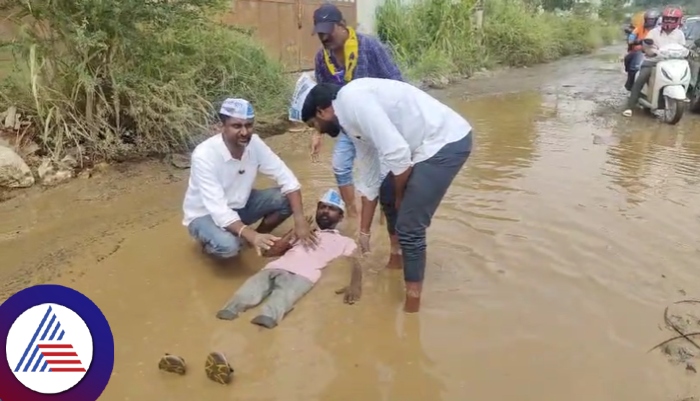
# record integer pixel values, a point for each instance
(49, 348)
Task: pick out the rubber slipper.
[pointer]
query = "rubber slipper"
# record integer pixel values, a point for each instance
(218, 369)
(172, 364)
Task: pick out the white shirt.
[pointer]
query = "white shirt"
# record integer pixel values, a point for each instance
(662, 39)
(393, 125)
(219, 183)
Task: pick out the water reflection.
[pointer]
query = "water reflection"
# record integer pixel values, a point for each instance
(392, 365)
(504, 145)
(654, 160)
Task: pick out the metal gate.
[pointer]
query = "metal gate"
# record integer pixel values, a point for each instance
(284, 27)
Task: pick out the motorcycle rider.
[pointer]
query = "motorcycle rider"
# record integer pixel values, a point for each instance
(668, 33)
(635, 57)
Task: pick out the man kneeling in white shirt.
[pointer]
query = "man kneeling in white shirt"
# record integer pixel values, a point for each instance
(221, 203)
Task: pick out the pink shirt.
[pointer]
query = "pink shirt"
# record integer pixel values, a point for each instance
(298, 260)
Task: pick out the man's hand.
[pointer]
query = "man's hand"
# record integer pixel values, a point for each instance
(263, 242)
(315, 146)
(281, 246)
(304, 233)
(351, 293)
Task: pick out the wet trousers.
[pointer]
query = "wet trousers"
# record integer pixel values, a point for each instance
(642, 79)
(425, 189)
(279, 289)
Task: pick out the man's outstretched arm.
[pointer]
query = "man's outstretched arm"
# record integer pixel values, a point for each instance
(353, 291)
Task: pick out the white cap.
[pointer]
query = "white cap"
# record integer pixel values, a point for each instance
(304, 85)
(332, 198)
(237, 108)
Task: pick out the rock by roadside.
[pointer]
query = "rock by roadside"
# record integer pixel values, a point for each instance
(52, 173)
(14, 172)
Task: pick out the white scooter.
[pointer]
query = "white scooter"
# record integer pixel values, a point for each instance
(669, 82)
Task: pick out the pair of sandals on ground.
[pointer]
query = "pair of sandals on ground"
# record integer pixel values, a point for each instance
(216, 366)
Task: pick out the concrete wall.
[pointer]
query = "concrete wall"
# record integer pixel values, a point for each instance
(365, 15)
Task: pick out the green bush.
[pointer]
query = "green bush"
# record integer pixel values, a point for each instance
(132, 77)
(438, 38)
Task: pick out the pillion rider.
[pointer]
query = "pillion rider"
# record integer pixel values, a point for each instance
(635, 57)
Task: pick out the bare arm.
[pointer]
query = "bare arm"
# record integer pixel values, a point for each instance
(367, 214)
(353, 291)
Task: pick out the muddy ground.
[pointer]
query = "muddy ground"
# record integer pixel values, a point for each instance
(551, 262)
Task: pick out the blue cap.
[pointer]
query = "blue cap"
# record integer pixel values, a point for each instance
(326, 17)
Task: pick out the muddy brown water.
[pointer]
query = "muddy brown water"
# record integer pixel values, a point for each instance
(551, 261)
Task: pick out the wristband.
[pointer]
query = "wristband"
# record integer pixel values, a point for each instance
(241, 230)
(364, 234)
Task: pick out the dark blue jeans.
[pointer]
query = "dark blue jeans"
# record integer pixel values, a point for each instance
(425, 189)
(633, 61)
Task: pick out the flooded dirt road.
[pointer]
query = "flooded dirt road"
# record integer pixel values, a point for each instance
(551, 261)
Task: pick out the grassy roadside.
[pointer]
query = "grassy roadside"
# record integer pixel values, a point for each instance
(130, 78)
(119, 80)
(437, 39)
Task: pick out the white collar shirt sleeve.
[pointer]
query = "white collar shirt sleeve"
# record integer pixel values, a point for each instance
(364, 119)
(272, 166)
(368, 170)
(204, 175)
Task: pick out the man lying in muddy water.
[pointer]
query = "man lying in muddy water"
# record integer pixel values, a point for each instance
(422, 142)
(282, 282)
(220, 202)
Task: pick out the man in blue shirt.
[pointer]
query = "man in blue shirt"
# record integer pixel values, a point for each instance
(348, 55)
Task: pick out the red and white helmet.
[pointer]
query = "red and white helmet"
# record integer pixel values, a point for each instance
(671, 18)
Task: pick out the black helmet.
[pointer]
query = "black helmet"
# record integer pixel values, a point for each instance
(651, 18)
